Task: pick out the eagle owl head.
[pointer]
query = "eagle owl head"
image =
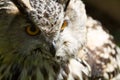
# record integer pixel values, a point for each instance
(40, 31)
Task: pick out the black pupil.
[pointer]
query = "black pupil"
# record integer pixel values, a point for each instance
(33, 29)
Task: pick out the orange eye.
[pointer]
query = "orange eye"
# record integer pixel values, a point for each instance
(65, 24)
(33, 31)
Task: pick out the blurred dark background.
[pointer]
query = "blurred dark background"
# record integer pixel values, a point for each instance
(108, 13)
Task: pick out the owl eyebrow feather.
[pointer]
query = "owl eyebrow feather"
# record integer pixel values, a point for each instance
(23, 8)
(65, 3)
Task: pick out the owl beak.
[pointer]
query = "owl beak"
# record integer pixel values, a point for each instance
(53, 49)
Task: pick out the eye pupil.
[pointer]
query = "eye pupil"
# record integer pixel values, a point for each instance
(31, 30)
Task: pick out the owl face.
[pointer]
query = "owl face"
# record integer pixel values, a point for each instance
(70, 23)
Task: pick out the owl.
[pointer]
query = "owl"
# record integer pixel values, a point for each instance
(54, 40)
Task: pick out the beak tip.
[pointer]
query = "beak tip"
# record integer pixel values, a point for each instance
(52, 49)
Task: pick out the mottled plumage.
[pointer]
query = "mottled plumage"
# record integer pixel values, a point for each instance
(54, 40)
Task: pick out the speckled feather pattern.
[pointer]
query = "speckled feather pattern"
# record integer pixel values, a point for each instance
(49, 16)
(102, 51)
